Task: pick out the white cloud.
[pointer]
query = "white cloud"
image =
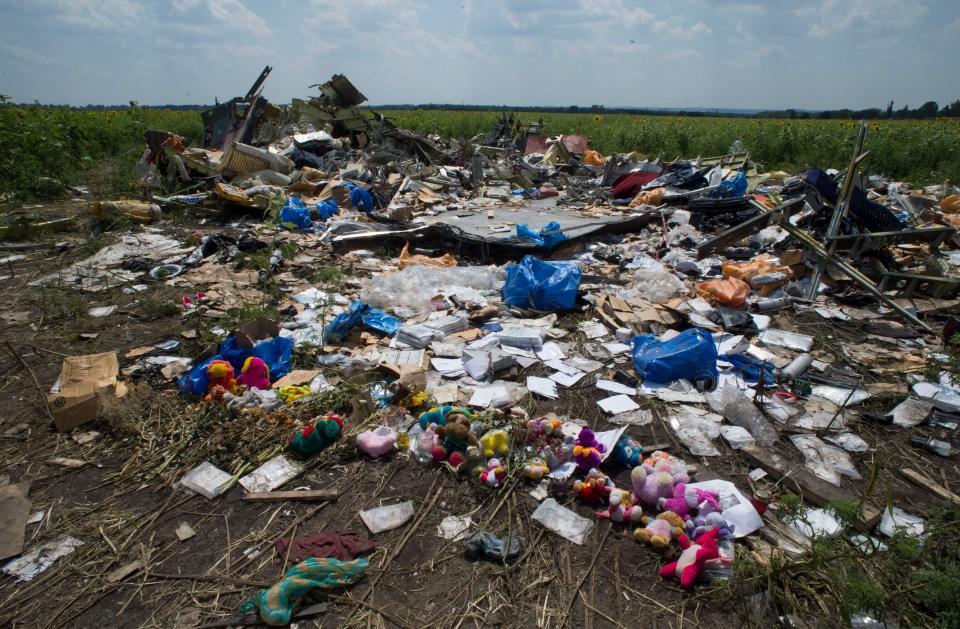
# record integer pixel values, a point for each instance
(182, 6)
(98, 14)
(25, 54)
(615, 9)
(699, 29)
(835, 16)
(235, 13)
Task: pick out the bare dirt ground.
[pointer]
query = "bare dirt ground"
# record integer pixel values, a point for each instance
(121, 503)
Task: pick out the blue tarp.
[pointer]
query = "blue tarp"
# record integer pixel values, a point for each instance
(371, 317)
(294, 215)
(275, 353)
(548, 237)
(690, 355)
(539, 285)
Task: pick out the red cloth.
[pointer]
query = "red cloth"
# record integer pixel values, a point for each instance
(629, 184)
(342, 545)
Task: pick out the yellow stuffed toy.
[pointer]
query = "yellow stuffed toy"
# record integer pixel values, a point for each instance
(495, 442)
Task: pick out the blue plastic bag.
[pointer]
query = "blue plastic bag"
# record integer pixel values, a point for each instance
(690, 355)
(544, 238)
(539, 285)
(275, 353)
(371, 317)
(294, 215)
(328, 209)
(733, 187)
(359, 198)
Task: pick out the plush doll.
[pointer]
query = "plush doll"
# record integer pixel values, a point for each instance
(663, 462)
(292, 393)
(693, 557)
(555, 455)
(659, 531)
(714, 520)
(495, 442)
(216, 394)
(378, 441)
(627, 451)
(622, 508)
(683, 500)
(494, 473)
(594, 487)
(544, 429)
(535, 469)
(436, 415)
(220, 373)
(649, 486)
(314, 438)
(587, 451)
(456, 435)
(439, 415)
(255, 374)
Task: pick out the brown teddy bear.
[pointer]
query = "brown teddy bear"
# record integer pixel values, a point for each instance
(457, 436)
(660, 531)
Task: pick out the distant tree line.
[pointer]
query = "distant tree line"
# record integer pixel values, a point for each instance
(929, 109)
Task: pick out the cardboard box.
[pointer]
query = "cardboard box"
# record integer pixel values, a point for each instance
(260, 329)
(83, 379)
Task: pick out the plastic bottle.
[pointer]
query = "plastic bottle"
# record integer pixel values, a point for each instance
(936, 446)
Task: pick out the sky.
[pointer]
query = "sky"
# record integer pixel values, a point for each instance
(750, 54)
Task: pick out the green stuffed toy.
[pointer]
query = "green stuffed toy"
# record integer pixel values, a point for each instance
(438, 415)
(314, 438)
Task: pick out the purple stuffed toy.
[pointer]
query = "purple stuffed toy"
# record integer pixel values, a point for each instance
(588, 452)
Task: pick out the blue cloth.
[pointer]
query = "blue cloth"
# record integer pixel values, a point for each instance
(275, 353)
(749, 369)
(359, 198)
(539, 285)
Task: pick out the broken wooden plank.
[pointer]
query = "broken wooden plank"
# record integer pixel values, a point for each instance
(65, 462)
(920, 480)
(276, 496)
(804, 482)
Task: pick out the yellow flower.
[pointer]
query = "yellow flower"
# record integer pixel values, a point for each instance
(420, 111)
(634, 121)
(596, 118)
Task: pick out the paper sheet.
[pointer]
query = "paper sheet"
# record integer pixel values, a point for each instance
(618, 404)
(737, 509)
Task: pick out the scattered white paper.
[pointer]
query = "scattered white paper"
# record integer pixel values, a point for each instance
(562, 367)
(616, 348)
(615, 387)
(207, 479)
(550, 351)
(618, 404)
(448, 367)
(544, 387)
(445, 394)
(482, 397)
(567, 380)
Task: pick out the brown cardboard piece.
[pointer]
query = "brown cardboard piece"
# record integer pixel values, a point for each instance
(14, 511)
(260, 329)
(83, 379)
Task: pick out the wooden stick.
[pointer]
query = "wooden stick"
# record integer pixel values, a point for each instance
(918, 479)
(276, 496)
(207, 577)
(371, 607)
